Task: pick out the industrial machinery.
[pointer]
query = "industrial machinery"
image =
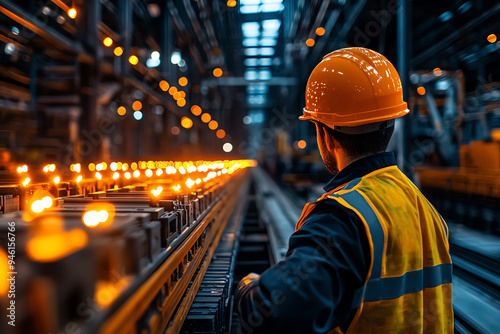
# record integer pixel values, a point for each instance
(129, 248)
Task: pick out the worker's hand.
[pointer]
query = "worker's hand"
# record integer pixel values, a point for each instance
(246, 283)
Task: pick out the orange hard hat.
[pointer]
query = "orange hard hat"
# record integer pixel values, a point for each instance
(354, 90)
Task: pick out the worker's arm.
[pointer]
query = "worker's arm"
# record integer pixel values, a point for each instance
(311, 290)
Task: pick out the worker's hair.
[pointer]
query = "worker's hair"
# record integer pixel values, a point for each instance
(362, 144)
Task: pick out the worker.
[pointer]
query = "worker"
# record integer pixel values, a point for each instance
(372, 254)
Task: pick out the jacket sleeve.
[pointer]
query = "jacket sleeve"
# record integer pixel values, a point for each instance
(311, 289)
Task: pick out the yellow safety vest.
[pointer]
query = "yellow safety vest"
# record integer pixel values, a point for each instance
(408, 287)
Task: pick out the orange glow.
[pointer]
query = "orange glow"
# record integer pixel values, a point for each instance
(205, 118)
(22, 169)
(492, 38)
(156, 192)
(72, 13)
(98, 176)
(177, 188)
(302, 144)
(57, 179)
(46, 169)
(320, 31)
(213, 125)
(52, 246)
(437, 71)
(175, 130)
(121, 110)
(37, 206)
(164, 85)
(116, 175)
(177, 96)
(106, 292)
(118, 51)
(172, 90)
(47, 202)
(79, 179)
(108, 41)
(218, 72)
(190, 183)
(4, 267)
(133, 165)
(495, 135)
(231, 3)
(183, 94)
(137, 105)
(196, 110)
(93, 218)
(186, 122)
(26, 181)
(91, 167)
(421, 90)
(40, 201)
(183, 81)
(98, 214)
(181, 102)
(221, 133)
(133, 60)
(310, 42)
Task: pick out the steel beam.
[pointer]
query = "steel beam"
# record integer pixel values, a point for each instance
(240, 81)
(353, 15)
(404, 53)
(50, 35)
(90, 77)
(433, 50)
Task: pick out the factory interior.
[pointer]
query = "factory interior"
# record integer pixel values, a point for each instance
(152, 155)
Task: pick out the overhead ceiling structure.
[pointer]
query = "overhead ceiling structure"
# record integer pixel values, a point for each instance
(244, 63)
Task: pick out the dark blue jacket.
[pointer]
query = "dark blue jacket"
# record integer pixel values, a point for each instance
(312, 289)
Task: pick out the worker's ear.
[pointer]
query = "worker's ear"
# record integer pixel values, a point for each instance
(331, 143)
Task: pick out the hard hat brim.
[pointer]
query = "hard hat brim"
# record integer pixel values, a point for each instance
(366, 117)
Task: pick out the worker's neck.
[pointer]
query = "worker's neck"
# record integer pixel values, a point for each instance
(344, 160)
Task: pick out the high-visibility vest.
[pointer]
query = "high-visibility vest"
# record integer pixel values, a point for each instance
(408, 286)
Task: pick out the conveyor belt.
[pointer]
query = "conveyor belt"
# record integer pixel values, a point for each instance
(128, 275)
(245, 248)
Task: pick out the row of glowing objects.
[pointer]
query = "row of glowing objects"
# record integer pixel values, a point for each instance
(95, 217)
(159, 172)
(170, 167)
